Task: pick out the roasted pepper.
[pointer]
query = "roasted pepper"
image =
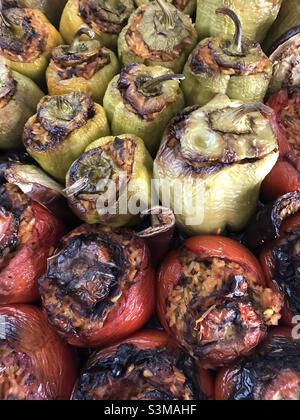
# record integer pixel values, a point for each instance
(61, 130)
(111, 173)
(19, 97)
(142, 101)
(288, 18)
(149, 367)
(83, 66)
(26, 41)
(157, 34)
(51, 8)
(99, 286)
(238, 68)
(213, 299)
(212, 161)
(256, 16)
(186, 6)
(105, 17)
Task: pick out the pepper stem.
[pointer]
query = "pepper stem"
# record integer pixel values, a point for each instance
(236, 47)
(149, 85)
(2, 17)
(169, 18)
(251, 107)
(76, 41)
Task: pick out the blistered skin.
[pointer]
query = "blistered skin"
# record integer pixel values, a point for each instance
(151, 39)
(221, 153)
(26, 40)
(52, 8)
(212, 298)
(146, 99)
(35, 364)
(99, 286)
(105, 17)
(29, 235)
(62, 128)
(144, 367)
(271, 373)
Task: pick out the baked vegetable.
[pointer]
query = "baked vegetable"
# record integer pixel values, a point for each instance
(29, 235)
(35, 363)
(61, 130)
(256, 17)
(213, 299)
(142, 101)
(26, 41)
(83, 66)
(186, 6)
(157, 34)
(237, 67)
(19, 97)
(99, 286)
(146, 366)
(105, 17)
(105, 182)
(212, 160)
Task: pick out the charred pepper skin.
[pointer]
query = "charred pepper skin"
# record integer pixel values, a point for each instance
(237, 68)
(35, 363)
(142, 101)
(26, 41)
(61, 130)
(220, 322)
(157, 36)
(151, 367)
(271, 373)
(288, 18)
(30, 234)
(51, 8)
(196, 150)
(105, 17)
(256, 16)
(99, 286)
(110, 159)
(83, 66)
(186, 6)
(19, 97)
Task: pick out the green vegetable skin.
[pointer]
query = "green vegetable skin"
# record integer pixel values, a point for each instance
(105, 17)
(19, 97)
(103, 161)
(236, 67)
(157, 34)
(51, 8)
(83, 66)
(288, 18)
(186, 6)
(228, 149)
(61, 130)
(256, 16)
(136, 103)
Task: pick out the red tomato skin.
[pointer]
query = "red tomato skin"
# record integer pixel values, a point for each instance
(18, 280)
(54, 360)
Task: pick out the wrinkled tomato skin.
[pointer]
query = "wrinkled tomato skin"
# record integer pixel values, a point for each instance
(268, 264)
(54, 361)
(18, 280)
(151, 339)
(204, 247)
(283, 178)
(224, 384)
(133, 311)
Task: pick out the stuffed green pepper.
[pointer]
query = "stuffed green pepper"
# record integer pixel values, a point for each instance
(142, 101)
(211, 164)
(157, 34)
(186, 6)
(110, 182)
(61, 130)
